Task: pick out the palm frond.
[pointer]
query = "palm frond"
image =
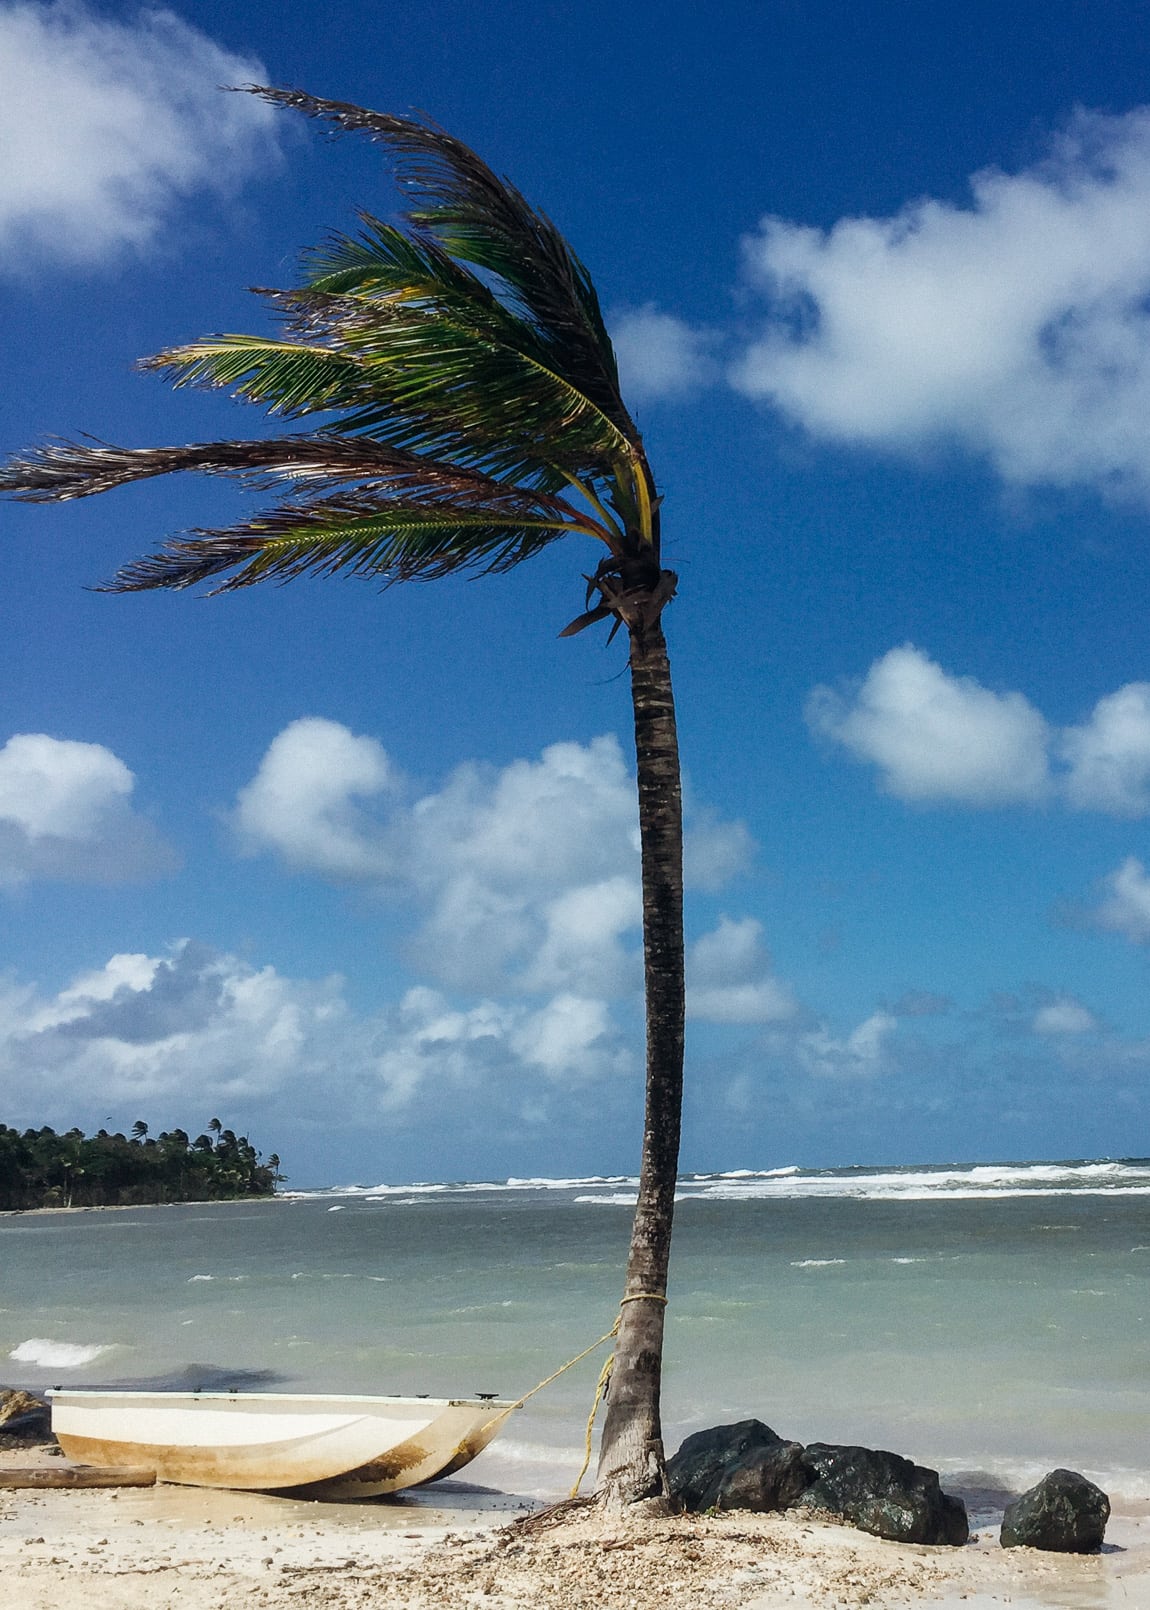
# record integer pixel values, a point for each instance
(288, 377)
(483, 220)
(414, 380)
(414, 540)
(459, 361)
(62, 470)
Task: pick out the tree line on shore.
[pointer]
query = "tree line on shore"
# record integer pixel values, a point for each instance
(39, 1168)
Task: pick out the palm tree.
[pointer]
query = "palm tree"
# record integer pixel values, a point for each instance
(466, 414)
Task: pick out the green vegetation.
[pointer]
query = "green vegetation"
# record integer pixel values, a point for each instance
(42, 1169)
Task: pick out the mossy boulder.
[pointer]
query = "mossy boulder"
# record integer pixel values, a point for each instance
(882, 1493)
(1064, 1513)
(740, 1466)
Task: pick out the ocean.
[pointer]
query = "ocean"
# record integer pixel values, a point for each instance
(993, 1322)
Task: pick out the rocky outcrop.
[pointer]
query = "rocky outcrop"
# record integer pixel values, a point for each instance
(24, 1418)
(14, 1405)
(741, 1466)
(749, 1466)
(883, 1493)
(1064, 1513)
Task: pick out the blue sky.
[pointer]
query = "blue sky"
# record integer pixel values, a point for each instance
(357, 873)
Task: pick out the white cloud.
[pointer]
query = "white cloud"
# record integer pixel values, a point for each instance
(1109, 756)
(106, 124)
(660, 355)
(1065, 1016)
(729, 977)
(147, 1033)
(714, 850)
(301, 801)
(525, 876)
(861, 1054)
(569, 1037)
(1018, 325)
(65, 813)
(938, 736)
(1126, 906)
(149, 1029)
(582, 946)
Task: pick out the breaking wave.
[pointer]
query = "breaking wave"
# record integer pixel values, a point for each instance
(952, 1182)
(50, 1355)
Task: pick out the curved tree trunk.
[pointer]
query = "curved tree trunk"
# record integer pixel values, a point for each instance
(631, 1454)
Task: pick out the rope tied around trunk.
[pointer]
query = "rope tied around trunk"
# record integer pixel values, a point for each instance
(604, 1380)
(604, 1374)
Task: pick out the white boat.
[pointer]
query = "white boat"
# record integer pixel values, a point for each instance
(336, 1447)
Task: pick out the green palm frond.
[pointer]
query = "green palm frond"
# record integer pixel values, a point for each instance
(412, 379)
(402, 540)
(483, 220)
(288, 377)
(472, 401)
(446, 357)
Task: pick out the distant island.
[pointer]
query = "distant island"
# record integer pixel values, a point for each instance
(41, 1169)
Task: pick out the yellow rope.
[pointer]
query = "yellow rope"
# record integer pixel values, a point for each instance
(579, 1357)
(602, 1382)
(604, 1376)
(600, 1390)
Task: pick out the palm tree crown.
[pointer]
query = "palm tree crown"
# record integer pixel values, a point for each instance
(469, 396)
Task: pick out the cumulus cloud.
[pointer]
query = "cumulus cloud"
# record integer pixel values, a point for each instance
(524, 876)
(303, 801)
(1125, 907)
(107, 124)
(936, 736)
(142, 1031)
(1064, 1016)
(147, 1029)
(860, 1054)
(660, 355)
(1109, 756)
(66, 813)
(729, 977)
(1017, 325)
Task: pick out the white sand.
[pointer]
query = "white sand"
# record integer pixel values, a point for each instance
(456, 1546)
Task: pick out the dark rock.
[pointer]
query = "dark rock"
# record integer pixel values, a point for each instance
(742, 1466)
(883, 1493)
(1064, 1512)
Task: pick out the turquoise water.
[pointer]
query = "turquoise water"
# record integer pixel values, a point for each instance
(991, 1320)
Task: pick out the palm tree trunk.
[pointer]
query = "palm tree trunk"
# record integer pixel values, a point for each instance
(631, 1454)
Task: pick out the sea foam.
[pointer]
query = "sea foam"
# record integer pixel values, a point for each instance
(50, 1355)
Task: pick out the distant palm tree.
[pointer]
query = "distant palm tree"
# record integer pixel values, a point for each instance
(139, 1129)
(469, 415)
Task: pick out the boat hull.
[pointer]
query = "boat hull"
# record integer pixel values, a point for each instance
(334, 1447)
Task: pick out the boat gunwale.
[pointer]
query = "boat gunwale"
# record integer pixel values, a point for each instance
(295, 1398)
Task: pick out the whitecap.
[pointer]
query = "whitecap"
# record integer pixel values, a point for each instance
(47, 1354)
(816, 1263)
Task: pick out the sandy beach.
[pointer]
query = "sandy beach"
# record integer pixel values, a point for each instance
(457, 1544)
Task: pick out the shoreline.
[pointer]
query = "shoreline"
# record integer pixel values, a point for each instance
(455, 1543)
(139, 1207)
